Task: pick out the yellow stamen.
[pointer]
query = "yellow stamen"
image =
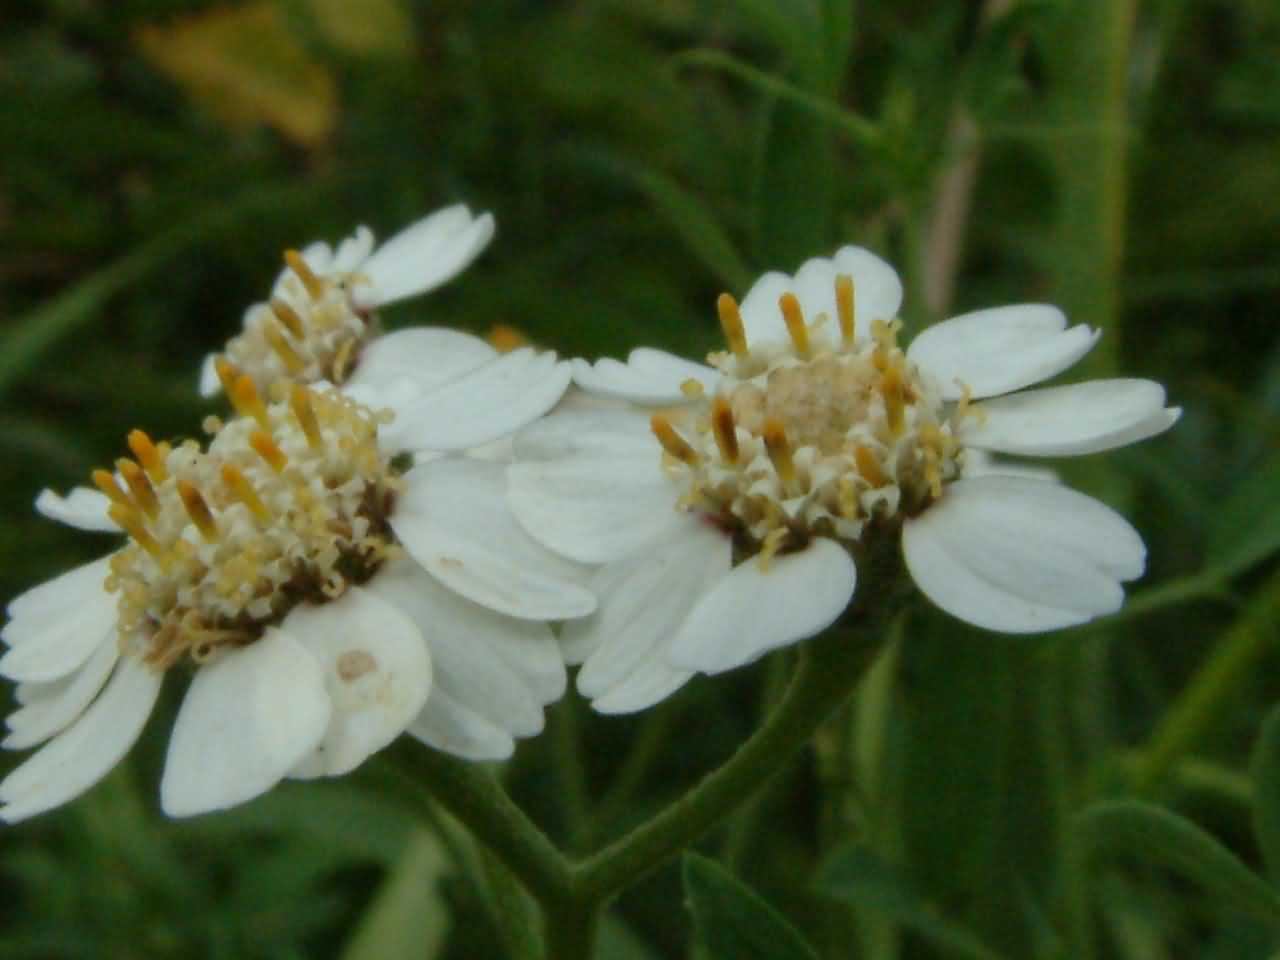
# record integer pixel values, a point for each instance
(894, 391)
(143, 493)
(148, 455)
(127, 519)
(735, 334)
(105, 481)
(692, 388)
(342, 360)
(504, 338)
(775, 442)
(288, 317)
(227, 372)
(793, 316)
(300, 403)
(844, 307)
(198, 511)
(268, 451)
(723, 427)
(314, 285)
(869, 467)
(248, 403)
(243, 491)
(672, 442)
(288, 356)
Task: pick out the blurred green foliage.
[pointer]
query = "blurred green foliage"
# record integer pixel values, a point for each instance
(1068, 796)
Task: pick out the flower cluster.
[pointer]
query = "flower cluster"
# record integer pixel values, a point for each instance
(350, 556)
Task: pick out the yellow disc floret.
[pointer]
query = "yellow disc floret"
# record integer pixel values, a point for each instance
(289, 502)
(818, 437)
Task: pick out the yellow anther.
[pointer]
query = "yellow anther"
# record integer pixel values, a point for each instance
(227, 372)
(775, 442)
(934, 477)
(342, 360)
(793, 316)
(288, 356)
(693, 389)
(869, 466)
(722, 426)
(300, 403)
(245, 398)
(672, 442)
(296, 263)
(149, 455)
(844, 307)
(243, 491)
(128, 520)
(105, 481)
(143, 493)
(198, 511)
(268, 451)
(504, 338)
(894, 391)
(735, 334)
(288, 317)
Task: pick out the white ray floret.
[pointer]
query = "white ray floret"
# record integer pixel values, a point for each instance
(732, 521)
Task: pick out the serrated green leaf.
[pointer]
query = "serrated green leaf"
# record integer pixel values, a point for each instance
(1265, 768)
(860, 878)
(735, 923)
(1154, 836)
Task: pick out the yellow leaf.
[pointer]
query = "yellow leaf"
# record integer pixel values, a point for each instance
(246, 66)
(369, 28)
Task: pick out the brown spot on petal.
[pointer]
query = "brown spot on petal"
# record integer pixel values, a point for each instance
(354, 664)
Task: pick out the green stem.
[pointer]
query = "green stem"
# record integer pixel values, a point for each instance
(476, 799)
(571, 931)
(1230, 663)
(828, 669)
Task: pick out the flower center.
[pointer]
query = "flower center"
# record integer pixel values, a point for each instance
(813, 437)
(309, 330)
(289, 503)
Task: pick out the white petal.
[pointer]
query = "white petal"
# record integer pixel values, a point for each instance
(210, 384)
(593, 509)
(246, 720)
(979, 463)
(648, 377)
(59, 703)
(1066, 421)
(423, 256)
(54, 632)
(353, 251)
(81, 755)
(467, 643)
(624, 433)
(82, 508)
(1000, 350)
(449, 726)
(428, 357)
(643, 600)
(1021, 556)
(753, 611)
(376, 669)
(490, 402)
(877, 295)
(453, 519)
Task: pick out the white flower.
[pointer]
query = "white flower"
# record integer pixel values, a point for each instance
(733, 520)
(319, 326)
(323, 600)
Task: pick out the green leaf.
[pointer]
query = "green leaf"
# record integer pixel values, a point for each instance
(1265, 768)
(408, 918)
(857, 876)
(733, 922)
(1248, 527)
(1151, 835)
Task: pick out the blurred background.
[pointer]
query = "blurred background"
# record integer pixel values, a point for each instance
(1119, 158)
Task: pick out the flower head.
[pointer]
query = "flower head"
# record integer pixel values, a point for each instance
(312, 590)
(448, 390)
(807, 445)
